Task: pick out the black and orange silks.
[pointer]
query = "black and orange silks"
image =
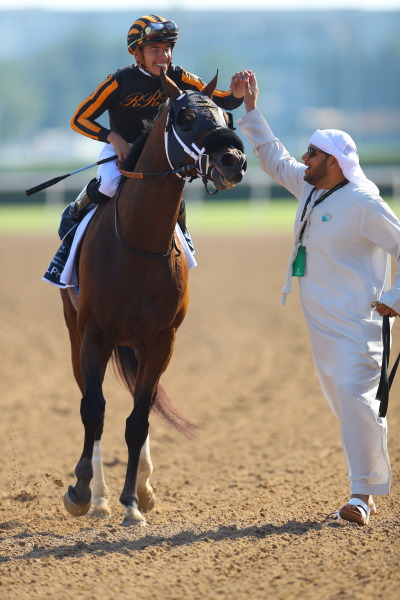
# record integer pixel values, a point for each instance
(130, 96)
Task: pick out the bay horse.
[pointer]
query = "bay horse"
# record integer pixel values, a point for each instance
(133, 289)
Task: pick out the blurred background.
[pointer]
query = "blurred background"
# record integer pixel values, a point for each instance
(318, 65)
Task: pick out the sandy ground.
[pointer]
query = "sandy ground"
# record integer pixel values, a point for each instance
(240, 508)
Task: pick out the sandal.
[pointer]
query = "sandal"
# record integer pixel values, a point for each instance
(355, 511)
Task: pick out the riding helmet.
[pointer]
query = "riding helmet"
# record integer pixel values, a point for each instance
(151, 29)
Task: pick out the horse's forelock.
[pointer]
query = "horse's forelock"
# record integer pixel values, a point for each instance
(221, 136)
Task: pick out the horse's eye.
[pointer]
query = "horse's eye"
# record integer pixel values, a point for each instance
(185, 119)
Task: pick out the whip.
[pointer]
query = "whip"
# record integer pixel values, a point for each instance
(46, 184)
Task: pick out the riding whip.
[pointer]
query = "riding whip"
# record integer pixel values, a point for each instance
(55, 180)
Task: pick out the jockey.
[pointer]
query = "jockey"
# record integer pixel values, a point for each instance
(131, 96)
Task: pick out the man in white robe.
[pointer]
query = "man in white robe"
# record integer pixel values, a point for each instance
(344, 287)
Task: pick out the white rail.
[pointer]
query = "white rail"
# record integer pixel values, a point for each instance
(259, 183)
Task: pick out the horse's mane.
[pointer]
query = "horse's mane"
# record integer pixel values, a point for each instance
(130, 161)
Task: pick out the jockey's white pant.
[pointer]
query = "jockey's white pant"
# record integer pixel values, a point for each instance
(108, 173)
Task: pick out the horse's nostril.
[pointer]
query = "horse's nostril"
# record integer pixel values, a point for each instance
(244, 165)
(229, 160)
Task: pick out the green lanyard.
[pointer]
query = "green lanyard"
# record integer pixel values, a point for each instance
(320, 199)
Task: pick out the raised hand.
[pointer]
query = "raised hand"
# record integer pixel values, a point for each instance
(239, 83)
(251, 93)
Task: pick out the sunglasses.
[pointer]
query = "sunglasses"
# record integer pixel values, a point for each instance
(311, 151)
(153, 30)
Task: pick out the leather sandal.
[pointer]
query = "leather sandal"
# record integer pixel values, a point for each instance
(355, 511)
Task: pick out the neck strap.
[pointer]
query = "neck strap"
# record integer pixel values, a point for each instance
(323, 197)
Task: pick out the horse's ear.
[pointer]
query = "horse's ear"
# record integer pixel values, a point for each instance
(210, 87)
(169, 87)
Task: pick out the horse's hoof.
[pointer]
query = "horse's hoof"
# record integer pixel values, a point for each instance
(101, 512)
(133, 518)
(76, 510)
(147, 500)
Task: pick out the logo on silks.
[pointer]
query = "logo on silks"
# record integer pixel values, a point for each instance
(191, 115)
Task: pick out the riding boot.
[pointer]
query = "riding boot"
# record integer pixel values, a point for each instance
(66, 231)
(89, 194)
(184, 229)
(82, 201)
(68, 223)
(71, 217)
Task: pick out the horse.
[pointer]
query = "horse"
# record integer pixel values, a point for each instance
(133, 289)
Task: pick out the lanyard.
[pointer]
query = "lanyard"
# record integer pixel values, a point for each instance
(318, 201)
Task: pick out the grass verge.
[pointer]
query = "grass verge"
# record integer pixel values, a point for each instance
(202, 217)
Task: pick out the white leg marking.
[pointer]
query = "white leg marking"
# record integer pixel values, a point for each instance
(133, 517)
(146, 495)
(100, 493)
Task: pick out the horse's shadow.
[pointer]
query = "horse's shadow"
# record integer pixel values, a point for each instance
(187, 537)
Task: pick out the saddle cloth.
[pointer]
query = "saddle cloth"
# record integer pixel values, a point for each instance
(69, 276)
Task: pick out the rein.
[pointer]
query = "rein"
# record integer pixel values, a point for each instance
(178, 146)
(135, 250)
(386, 380)
(201, 171)
(134, 175)
(175, 149)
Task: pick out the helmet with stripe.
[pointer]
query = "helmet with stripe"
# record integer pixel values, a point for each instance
(151, 29)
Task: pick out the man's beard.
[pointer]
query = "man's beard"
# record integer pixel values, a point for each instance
(318, 174)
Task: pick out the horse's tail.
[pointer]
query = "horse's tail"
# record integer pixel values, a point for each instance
(126, 364)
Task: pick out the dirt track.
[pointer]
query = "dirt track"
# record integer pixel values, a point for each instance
(240, 508)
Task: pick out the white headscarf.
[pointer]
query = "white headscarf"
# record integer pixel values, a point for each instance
(342, 147)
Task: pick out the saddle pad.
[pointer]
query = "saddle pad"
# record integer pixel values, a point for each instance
(69, 276)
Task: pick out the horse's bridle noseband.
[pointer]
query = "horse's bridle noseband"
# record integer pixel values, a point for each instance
(180, 144)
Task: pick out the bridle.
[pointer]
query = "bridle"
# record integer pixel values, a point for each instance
(202, 117)
(179, 144)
